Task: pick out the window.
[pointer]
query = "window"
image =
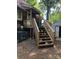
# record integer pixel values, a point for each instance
(19, 15)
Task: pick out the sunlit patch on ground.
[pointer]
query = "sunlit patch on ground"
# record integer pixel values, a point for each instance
(44, 50)
(32, 54)
(50, 56)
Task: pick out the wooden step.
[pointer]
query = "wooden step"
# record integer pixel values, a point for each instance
(42, 28)
(43, 34)
(43, 31)
(45, 41)
(45, 45)
(44, 38)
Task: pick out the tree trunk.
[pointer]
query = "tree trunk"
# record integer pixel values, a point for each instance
(47, 15)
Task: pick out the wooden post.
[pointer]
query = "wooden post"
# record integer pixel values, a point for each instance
(30, 14)
(30, 22)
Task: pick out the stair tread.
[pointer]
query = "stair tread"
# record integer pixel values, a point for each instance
(43, 32)
(44, 36)
(42, 28)
(45, 40)
(46, 44)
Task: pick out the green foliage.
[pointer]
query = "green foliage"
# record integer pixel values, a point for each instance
(54, 17)
(49, 4)
(42, 7)
(31, 2)
(35, 5)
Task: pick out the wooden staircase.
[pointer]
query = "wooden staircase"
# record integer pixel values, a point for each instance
(44, 39)
(44, 35)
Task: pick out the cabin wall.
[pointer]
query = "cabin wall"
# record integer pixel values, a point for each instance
(19, 19)
(19, 14)
(25, 25)
(27, 21)
(24, 19)
(24, 16)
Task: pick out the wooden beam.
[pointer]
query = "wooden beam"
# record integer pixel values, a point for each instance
(49, 30)
(36, 31)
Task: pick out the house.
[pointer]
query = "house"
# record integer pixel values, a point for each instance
(57, 27)
(29, 25)
(25, 14)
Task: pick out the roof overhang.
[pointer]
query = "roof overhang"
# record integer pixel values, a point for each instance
(25, 6)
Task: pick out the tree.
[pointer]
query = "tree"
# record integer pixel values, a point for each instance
(49, 4)
(56, 14)
(54, 17)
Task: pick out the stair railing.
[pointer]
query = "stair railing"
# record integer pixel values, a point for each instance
(36, 31)
(49, 30)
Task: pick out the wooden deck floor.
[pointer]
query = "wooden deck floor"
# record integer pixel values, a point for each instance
(28, 50)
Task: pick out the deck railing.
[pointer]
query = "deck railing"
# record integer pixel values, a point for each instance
(36, 31)
(49, 30)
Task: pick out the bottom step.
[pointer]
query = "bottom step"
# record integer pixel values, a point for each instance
(46, 45)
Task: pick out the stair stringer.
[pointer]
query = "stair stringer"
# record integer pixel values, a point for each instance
(49, 30)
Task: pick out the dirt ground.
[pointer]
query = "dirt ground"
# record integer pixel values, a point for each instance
(28, 50)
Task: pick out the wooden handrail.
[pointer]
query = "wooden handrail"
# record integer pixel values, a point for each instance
(36, 31)
(49, 30)
(51, 34)
(35, 25)
(49, 26)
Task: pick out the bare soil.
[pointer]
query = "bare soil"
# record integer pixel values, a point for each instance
(28, 50)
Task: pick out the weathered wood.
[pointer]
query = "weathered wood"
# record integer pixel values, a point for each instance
(28, 23)
(36, 31)
(45, 40)
(49, 30)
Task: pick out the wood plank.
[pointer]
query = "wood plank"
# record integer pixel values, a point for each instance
(36, 31)
(49, 30)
